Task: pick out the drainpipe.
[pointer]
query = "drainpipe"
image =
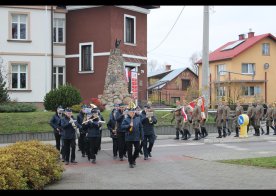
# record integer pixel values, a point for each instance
(265, 87)
(52, 50)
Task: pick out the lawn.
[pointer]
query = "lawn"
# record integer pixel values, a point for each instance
(267, 162)
(39, 121)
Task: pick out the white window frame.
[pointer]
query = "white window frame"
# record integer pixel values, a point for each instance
(266, 49)
(18, 76)
(134, 20)
(221, 89)
(55, 72)
(18, 26)
(56, 20)
(92, 57)
(253, 68)
(257, 91)
(221, 67)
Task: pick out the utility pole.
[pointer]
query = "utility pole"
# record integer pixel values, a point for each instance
(205, 56)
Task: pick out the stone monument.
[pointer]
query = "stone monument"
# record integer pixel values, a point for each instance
(115, 88)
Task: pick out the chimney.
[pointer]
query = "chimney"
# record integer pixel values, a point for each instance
(168, 67)
(250, 34)
(241, 36)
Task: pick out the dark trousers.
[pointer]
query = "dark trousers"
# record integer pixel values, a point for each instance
(67, 144)
(121, 143)
(57, 137)
(82, 143)
(148, 139)
(62, 152)
(99, 142)
(93, 142)
(132, 157)
(115, 146)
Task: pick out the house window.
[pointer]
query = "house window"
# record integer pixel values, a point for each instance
(58, 76)
(221, 91)
(265, 49)
(19, 26)
(251, 90)
(221, 68)
(86, 57)
(129, 29)
(185, 84)
(19, 76)
(247, 68)
(58, 31)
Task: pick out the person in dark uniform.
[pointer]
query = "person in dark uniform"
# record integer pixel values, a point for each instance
(138, 114)
(112, 127)
(119, 117)
(92, 127)
(80, 119)
(148, 120)
(133, 134)
(99, 142)
(238, 112)
(55, 124)
(69, 126)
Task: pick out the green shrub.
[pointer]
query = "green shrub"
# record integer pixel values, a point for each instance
(17, 107)
(29, 165)
(76, 108)
(65, 96)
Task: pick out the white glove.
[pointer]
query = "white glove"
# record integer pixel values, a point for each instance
(71, 121)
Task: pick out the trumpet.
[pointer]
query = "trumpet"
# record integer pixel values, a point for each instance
(149, 115)
(91, 119)
(131, 125)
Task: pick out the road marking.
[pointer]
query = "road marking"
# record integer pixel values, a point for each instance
(231, 147)
(264, 152)
(272, 141)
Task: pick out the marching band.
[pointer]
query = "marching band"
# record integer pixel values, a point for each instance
(130, 127)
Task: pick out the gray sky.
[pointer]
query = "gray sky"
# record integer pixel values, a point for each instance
(225, 24)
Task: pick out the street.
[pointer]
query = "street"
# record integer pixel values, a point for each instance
(177, 164)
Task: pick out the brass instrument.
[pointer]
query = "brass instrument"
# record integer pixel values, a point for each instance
(149, 115)
(131, 124)
(75, 127)
(94, 117)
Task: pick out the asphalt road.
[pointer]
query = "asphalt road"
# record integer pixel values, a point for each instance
(176, 165)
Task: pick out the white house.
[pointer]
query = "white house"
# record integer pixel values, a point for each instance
(26, 50)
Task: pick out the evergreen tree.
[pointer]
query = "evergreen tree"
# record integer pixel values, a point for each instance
(4, 96)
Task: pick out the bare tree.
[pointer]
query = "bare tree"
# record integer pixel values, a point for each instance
(193, 59)
(152, 65)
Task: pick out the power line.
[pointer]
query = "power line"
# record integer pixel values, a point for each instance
(169, 31)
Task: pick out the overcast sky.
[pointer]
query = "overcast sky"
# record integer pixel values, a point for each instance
(225, 24)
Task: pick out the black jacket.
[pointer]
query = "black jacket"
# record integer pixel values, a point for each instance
(69, 131)
(55, 123)
(119, 117)
(112, 123)
(148, 127)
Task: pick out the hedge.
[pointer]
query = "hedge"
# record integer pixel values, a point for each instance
(17, 107)
(29, 165)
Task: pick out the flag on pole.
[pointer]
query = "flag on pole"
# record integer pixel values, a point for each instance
(199, 101)
(183, 113)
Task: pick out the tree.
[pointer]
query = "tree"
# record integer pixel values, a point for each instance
(4, 96)
(193, 59)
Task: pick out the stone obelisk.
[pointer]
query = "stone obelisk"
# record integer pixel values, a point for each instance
(115, 88)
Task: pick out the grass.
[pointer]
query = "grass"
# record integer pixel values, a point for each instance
(266, 162)
(39, 121)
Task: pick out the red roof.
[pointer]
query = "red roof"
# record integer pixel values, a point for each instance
(228, 54)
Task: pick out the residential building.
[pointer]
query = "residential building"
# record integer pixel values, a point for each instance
(172, 85)
(243, 69)
(91, 34)
(26, 50)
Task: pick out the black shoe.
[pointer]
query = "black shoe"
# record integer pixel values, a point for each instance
(115, 157)
(206, 135)
(177, 138)
(274, 133)
(125, 156)
(83, 155)
(146, 158)
(74, 161)
(224, 135)
(267, 134)
(131, 166)
(196, 138)
(189, 136)
(134, 162)
(63, 160)
(263, 132)
(236, 136)
(121, 159)
(185, 138)
(219, 136)
(229, 133)
(150, 154)
(79, 150)
(66, 163)
(94, 161)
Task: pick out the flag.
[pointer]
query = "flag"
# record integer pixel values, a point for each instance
(199, 100)
(183, 113)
